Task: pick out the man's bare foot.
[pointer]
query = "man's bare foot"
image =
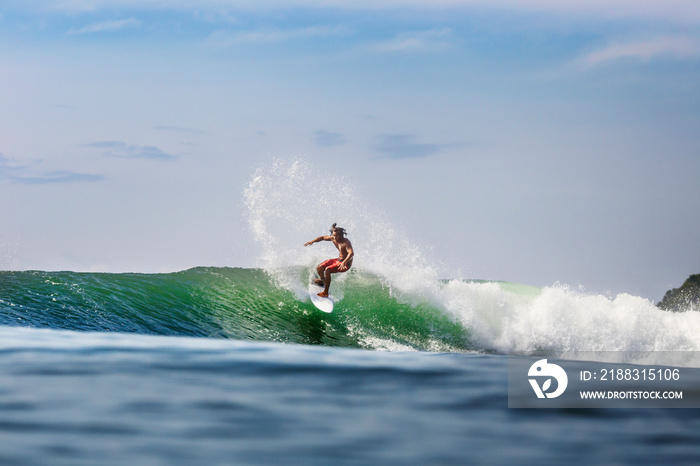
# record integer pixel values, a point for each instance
(323, 294)
(318, 282)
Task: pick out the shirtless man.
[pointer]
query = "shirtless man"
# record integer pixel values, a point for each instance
(341, 264)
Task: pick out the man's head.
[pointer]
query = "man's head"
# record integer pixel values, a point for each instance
(338, 232)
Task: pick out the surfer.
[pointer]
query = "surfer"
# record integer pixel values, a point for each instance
(341, 264)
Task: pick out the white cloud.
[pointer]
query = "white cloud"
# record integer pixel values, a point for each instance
(216, 16)
(401, 146)
(647, 50)
(107, 26)
(24, 174)
(328, 138)
(227, 38)
(415, 41)
(130, 151)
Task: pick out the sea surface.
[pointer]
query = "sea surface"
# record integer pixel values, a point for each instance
(235, 366)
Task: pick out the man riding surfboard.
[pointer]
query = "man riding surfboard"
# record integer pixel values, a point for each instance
(330, 266)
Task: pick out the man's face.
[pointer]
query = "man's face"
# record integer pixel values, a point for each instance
(335, 234)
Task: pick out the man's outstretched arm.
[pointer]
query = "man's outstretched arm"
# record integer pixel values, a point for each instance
(320, 238)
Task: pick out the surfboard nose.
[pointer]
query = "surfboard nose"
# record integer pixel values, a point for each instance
(324, 304)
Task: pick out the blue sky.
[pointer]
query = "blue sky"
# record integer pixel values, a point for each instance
(535, 142)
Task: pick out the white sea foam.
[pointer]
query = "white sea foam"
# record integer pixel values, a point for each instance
(290, 203)
(287, 206)
(560, 320)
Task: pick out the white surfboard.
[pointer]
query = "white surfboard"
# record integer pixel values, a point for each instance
(323, 304)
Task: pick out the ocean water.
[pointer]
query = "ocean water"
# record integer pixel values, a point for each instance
(222, 366)
(226, 365)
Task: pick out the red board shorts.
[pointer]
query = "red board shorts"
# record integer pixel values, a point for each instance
(332, 265)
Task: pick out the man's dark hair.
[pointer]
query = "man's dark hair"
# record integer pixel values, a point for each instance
(340, 230)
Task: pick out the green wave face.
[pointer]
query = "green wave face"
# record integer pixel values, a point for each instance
(232, 303)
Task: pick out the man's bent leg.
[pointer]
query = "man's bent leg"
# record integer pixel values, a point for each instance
(327, 280)
(320, 270)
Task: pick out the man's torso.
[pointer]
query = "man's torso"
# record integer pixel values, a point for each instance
(342, 246)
